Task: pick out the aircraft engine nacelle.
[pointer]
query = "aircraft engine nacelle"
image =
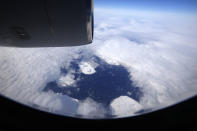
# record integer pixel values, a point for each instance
(46, 23)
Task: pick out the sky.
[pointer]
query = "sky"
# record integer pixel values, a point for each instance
(154, 5)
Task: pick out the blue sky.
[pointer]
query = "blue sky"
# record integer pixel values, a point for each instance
(161, 5)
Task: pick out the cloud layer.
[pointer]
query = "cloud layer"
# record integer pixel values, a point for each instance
(158, 52)
(130, 106)
(160, 60)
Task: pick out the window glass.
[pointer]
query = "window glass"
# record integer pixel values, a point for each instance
(143, 58)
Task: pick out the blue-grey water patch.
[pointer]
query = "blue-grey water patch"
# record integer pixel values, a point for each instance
(106, 84)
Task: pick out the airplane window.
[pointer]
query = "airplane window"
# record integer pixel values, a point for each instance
(143, 58)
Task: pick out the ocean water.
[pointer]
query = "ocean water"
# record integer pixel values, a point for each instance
(106, 84)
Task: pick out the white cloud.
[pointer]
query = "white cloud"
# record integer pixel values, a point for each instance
(68, 79)
(124, 106)
(91, 109)
(24, 73)
(160, 59)
(87, 68)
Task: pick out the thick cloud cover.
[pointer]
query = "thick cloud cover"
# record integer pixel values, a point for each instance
(130, 106)
(91, 109)
(86, 68)
(158, 52)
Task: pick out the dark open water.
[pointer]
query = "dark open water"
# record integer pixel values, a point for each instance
(108, 83)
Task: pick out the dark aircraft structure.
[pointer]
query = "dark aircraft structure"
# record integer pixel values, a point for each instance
(46, 23)
(50, 23)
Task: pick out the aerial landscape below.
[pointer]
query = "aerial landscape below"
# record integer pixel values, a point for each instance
(143, 58)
